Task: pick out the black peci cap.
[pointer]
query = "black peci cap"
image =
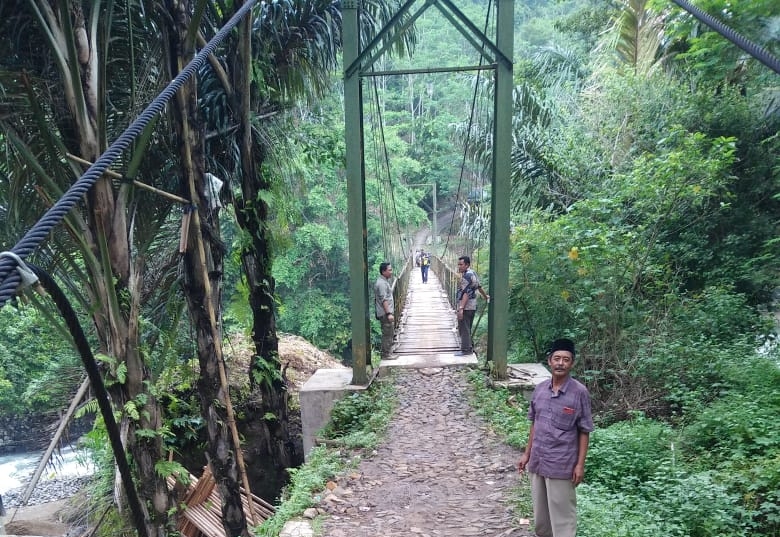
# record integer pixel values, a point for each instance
(562, 344)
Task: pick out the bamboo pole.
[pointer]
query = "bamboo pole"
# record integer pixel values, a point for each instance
(139, 184)
(74, 403)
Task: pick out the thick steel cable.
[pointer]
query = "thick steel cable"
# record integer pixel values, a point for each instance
(468, 134)
(104, 402)
(756, 51)
(9, 277)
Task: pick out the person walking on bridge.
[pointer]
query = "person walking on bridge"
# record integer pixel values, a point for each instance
(466, 299)
(561, 424)
(425, 265)
(385, 308)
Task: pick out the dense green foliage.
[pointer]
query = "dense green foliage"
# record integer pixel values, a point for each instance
(312, 268)
(653, 243)
(37, 372)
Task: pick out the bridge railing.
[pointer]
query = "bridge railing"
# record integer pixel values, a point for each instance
(448, 278)
(400, 288)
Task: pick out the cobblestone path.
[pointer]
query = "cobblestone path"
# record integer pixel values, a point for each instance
(439, 472)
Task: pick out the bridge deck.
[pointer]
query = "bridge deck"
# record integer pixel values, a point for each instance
(427, 334)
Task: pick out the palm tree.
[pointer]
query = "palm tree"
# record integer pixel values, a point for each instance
(636, 37)
(288, 51)
(61, 98)
(553, 78)
(71, 88)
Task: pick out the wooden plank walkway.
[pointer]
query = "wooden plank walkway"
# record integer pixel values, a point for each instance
(427, 334)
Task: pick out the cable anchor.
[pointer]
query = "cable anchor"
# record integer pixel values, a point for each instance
(27, 276)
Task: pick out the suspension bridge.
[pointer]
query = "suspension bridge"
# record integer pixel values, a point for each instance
(426, 334)
(426, 337)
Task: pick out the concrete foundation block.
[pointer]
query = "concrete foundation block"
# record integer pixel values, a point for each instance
(317, 396)
(523, 378)
(297, 528)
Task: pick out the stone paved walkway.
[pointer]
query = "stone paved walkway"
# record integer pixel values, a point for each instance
(440, 471)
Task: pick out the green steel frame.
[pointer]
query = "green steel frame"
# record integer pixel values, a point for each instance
(358, 64)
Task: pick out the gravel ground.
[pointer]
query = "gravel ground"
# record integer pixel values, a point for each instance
(440, 472)
(46, 491)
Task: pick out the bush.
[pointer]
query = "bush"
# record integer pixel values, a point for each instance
(694, 503)
(759, 486)
(741, 425)
(639, 484)
(696, 353)
(602, 513)
(738, 435)
(670, 504)
(628, 453)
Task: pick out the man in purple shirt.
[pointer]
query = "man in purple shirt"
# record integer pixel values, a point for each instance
(561, 423)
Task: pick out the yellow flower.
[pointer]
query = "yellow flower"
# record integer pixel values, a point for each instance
(565, 294)
(574, 253)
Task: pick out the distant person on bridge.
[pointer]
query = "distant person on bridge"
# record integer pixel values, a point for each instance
(467, 303)
(385, 307)
(425, 264)
(561, 424)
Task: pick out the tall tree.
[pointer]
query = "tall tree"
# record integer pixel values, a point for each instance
(203, 268)
(287, 52)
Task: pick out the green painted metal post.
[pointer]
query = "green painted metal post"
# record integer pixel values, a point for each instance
(356, 198)
(498, 320)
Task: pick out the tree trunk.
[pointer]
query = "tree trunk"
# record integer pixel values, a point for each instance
(108, 237)
(203, 271)
(269, 399)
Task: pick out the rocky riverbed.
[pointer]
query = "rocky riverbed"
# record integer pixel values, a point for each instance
(45, 511)
(48, 490)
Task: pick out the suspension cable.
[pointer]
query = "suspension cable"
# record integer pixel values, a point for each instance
(756, 51)
(393, 206)
(379, 167)
(9, 278)
(468, 130)
(477, 246)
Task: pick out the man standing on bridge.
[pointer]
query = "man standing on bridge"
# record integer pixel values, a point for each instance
(467, 303)
(385, 307)
(561, 424)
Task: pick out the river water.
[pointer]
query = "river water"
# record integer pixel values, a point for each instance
(17, 469)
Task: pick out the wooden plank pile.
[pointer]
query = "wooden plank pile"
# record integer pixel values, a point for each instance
(202, 512)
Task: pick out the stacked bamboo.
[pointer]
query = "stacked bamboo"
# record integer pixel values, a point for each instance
(201, 515)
